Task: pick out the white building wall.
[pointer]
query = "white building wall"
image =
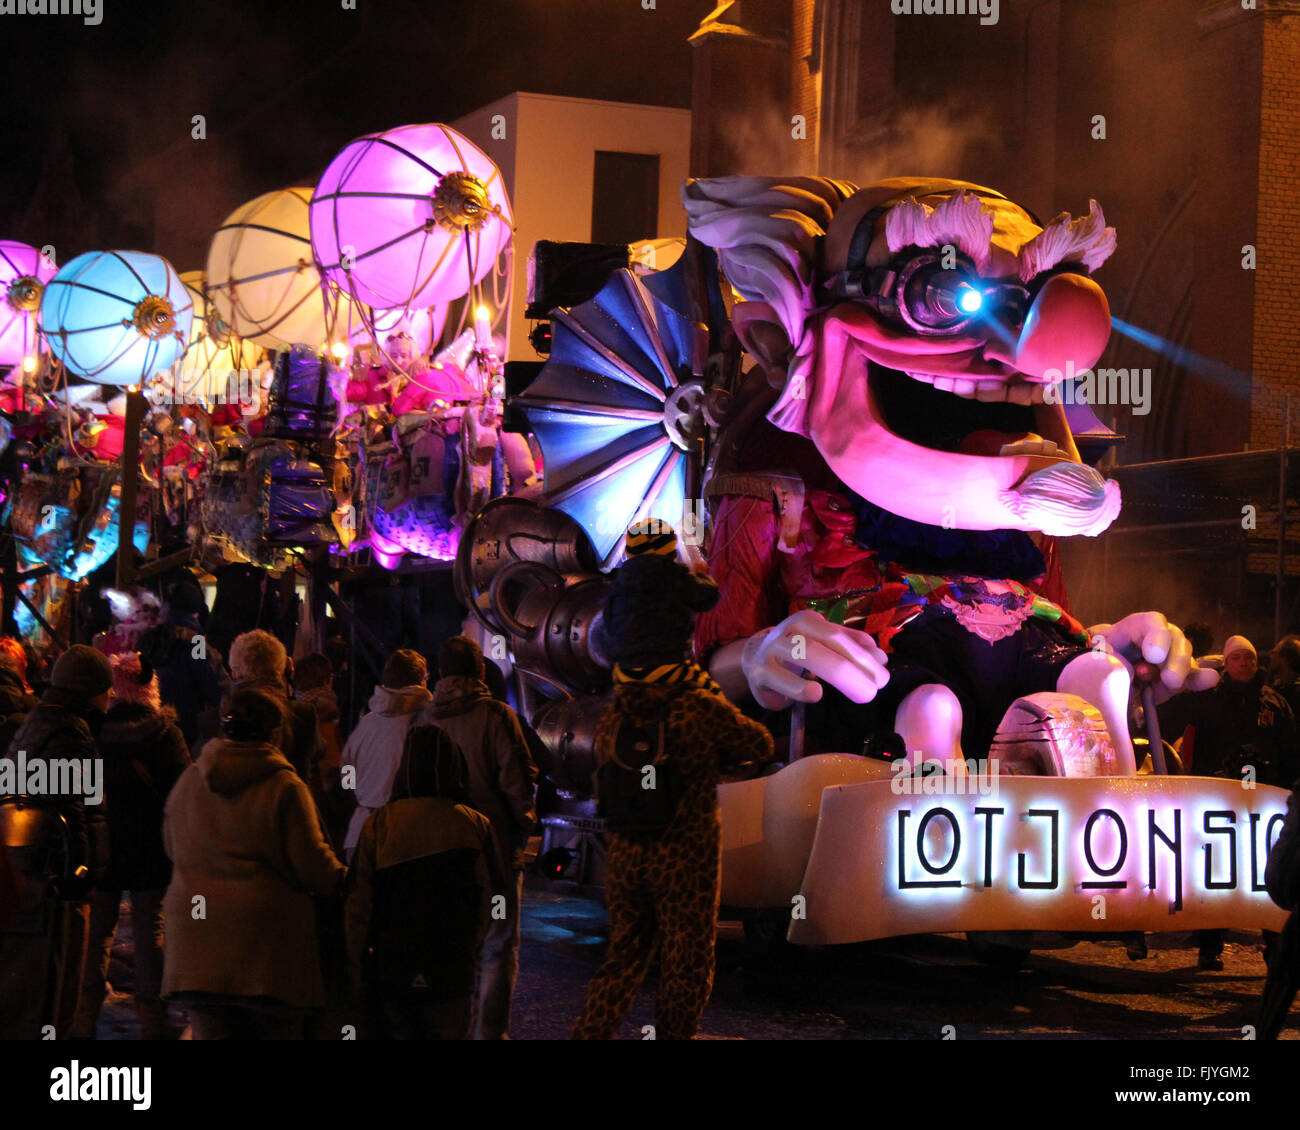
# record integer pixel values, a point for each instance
(548, 160)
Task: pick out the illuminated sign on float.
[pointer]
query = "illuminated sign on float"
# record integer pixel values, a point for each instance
(1086, 854)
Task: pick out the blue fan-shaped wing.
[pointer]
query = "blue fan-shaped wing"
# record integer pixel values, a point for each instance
(597, 409)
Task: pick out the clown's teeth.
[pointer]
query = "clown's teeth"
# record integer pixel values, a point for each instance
(946, 384)
(964, 387)
(924, 378)
(1020, 394)
(1030, 447)
(991, 391)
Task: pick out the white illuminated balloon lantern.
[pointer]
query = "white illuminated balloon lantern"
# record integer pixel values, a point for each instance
(262, 280)
(117, 317)
(411, 217)
(24, 273)
(213, 352)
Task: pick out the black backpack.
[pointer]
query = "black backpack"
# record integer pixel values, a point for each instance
(639, 789)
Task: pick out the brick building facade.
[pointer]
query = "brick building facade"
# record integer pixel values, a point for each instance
(1182, 118)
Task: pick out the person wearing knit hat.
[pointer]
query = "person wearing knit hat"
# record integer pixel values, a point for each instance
(144, 754)
(1236, 644)
(84, 671)
(653, 537)
(63, 728)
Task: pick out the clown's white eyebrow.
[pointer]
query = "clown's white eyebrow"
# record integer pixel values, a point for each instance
(961, 220)
(1086, 240)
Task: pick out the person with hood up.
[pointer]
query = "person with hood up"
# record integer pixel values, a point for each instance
(248, 853)
(419, 896)
(374, 748)
(663, 884)
(144, 755)
(501, 776)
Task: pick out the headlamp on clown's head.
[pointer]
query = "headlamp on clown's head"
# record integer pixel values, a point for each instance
(932, 293)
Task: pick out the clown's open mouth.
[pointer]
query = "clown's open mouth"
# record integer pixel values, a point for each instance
(970, 415)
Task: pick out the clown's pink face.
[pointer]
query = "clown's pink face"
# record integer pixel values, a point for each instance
(933, 390)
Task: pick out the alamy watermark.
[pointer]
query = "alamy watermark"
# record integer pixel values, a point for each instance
(970, 777)
(91, 11)
(242, 387)
(987, 10)
(52, 776)
(1100, 387)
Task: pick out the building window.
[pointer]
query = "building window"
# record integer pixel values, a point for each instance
(625, 200)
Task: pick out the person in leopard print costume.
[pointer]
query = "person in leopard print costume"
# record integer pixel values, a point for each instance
(662, 892)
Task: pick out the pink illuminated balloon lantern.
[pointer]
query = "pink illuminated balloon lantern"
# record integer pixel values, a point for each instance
(409, 218)
(117, 317)
(262, 280)
(24, 273)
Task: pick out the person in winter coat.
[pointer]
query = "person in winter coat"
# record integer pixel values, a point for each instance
(374, 749)
(313, 683)
(1242, 723)
(191, 679)
(501, 776)
(59, 733)
(258, 659)
(248, 854)
(419, 896)
(662, 889)
(144, 754)
(16, 698)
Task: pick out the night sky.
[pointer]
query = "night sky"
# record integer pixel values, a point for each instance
(96, 120)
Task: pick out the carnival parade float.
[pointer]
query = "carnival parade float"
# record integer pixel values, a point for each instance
(848, 400)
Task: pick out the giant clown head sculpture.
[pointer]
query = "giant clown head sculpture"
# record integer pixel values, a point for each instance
(917, 331)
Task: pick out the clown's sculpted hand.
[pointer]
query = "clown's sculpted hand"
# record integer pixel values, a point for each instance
(847, 659)
(1149, 636)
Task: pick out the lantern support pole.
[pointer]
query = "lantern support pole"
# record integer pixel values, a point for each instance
(130, 472)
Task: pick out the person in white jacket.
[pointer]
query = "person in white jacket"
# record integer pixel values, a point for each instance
(374, 749)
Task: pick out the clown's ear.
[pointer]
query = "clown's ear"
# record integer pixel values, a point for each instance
(764, 338)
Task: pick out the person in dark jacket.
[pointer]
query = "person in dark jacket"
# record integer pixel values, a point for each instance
(1284, 670)
(419, 896)
(258, 659)
(144, 754)
(41, 968)
(501, 776)
(16, 698)
(662, 889)
(191, 678)
(653, 599)
(1242, 724)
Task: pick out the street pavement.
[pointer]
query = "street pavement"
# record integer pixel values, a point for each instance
(919, 988)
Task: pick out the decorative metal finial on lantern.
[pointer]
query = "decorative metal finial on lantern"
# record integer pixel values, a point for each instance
(461, 201)
(154, 317)
(25, 293)
(216, 329)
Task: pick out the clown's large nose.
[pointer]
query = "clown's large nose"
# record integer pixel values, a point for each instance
(1067, 325)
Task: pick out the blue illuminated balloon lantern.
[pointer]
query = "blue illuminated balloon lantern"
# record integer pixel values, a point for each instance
(117, 317)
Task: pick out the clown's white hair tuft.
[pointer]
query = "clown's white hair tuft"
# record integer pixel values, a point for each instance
(1086, 240)
(961, 220)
